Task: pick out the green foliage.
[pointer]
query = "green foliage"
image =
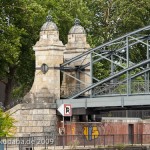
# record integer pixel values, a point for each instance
(7, 127)
(100, 70)
(20, 34)
(113, 18)
(120, 146)
(65, 11)
(103, 20)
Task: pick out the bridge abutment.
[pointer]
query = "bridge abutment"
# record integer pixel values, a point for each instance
(38, 115)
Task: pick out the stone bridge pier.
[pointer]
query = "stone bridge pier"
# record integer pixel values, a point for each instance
(37, 115)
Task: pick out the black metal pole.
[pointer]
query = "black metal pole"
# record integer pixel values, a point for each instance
(94, 141)
(84, 140)
(6, 143)
(45, 142)
(33, 143)
(19, 146)
(63, 141)
(104, 140)
(113, 140)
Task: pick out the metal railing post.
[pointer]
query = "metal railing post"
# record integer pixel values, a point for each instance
(63, 141)
(33, 143)
(113, 140)
(45, 141)
(91, 73)
(94, 141)
(84, 140)
(104, 140)
(127, 57)
(19, 143)
(6, 143)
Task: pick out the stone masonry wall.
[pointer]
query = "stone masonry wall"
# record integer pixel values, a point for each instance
(34, 119)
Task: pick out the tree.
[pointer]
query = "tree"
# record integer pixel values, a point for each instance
(113, 18)
(22, 32)
(7, 127)
(20, 21)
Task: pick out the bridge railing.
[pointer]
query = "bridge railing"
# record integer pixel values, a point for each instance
(68, 90)
(111, 88)
(136, 87)
(74, 141)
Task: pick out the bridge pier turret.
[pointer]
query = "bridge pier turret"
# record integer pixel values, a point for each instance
(49, 55)
(76, 79)
(37, 116)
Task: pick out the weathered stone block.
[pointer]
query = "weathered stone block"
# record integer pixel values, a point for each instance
(36, 129)
(22, 129)
(49, 129)
(38, 117)
(46, 111)
(37, 134)
(17, 112)
(53, 122)
(31, 111)
(52, 111)
(22, 123)
(43, 123)
(48, 117)
(18, 129)
(40, 111)
(32, 123)
(28, 129)
(23, 117)
(19, 135)
(35, 111)
(29, 117)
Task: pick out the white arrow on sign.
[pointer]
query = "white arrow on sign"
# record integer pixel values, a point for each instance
(61, 109)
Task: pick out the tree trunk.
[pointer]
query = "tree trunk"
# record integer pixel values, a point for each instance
(9, 85)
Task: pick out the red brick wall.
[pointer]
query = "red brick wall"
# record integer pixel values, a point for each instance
(108, 133)
(103, 128)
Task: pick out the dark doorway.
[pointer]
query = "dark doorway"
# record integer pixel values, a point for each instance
(131, 133)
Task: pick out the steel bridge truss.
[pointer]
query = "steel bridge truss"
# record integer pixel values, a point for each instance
(127, 73)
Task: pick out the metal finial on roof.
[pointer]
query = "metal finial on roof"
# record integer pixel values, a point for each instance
(77, 21)
(49, 17)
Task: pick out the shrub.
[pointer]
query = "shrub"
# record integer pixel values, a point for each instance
(120, 146)
(73, 144)
(7, 127)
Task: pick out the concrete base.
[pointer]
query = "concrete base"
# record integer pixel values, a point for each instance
(34, 119)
